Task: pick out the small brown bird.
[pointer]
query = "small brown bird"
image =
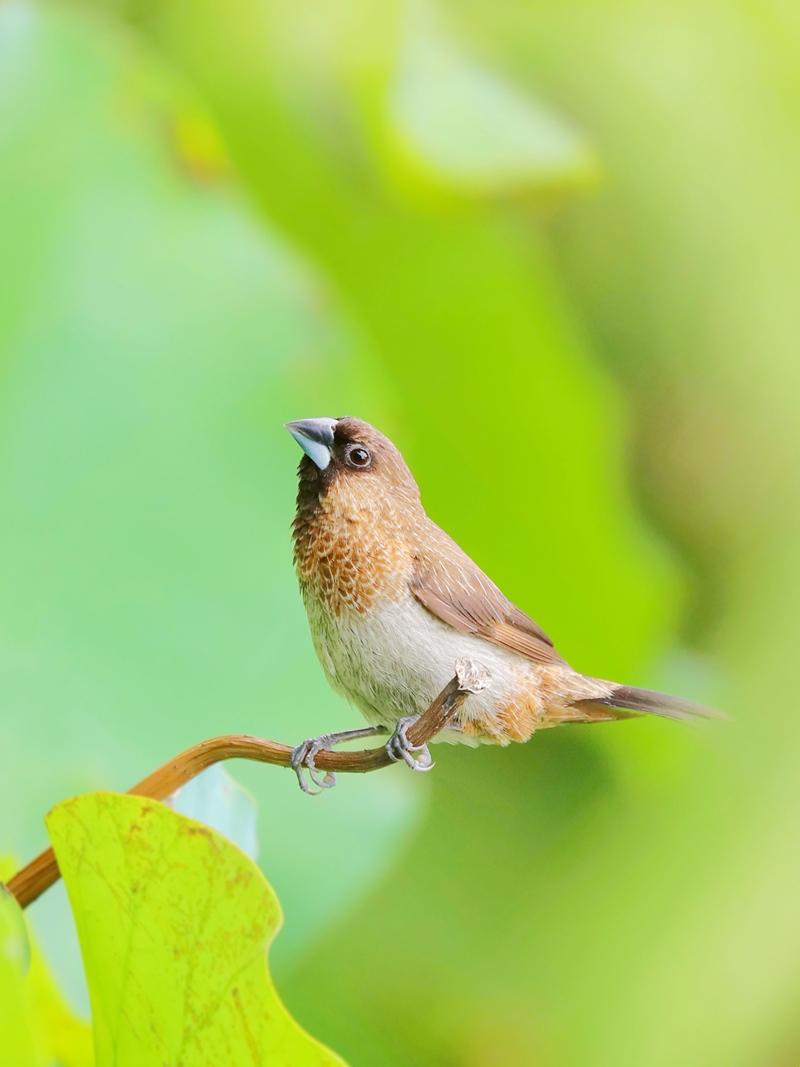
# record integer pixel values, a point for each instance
(393, 603)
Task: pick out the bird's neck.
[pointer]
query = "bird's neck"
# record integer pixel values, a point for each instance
(349, 553)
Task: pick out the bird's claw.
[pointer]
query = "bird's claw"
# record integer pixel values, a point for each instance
(398, 747)
(302, 759)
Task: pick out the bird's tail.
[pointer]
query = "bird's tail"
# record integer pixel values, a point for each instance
(628, 698)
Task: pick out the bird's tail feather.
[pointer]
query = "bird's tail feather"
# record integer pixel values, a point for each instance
(651, 702)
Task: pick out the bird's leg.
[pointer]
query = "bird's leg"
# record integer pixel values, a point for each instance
(398, 747)
(303, 756)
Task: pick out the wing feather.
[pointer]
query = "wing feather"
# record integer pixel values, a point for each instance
(447, 582)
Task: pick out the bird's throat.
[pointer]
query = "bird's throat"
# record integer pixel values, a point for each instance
(348, 556)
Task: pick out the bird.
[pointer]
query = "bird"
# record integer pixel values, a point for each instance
(393, 603)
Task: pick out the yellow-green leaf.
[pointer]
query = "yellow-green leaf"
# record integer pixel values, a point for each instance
(60, 1037)
(37, 1029)
(174, 923)
(16, 1040)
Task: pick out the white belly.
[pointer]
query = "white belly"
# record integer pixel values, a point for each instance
(394, 661)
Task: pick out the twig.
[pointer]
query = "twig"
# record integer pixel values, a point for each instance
(31, 881)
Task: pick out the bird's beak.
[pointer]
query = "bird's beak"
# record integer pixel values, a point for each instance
(315, 437)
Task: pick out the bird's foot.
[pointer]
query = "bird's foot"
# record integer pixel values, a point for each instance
(302, 759)
(303, 756)
(398, 747)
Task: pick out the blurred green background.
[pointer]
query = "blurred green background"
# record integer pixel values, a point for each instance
(553, 251)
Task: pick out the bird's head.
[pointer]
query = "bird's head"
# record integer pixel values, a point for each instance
(351, 460)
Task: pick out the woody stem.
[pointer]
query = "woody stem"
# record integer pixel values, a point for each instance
(31, 881)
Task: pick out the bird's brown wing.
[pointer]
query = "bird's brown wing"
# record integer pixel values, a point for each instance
(452, 587)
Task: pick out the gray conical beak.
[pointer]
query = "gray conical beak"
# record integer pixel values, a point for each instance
(315, 437)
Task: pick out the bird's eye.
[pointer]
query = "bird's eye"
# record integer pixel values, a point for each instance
(359, 457)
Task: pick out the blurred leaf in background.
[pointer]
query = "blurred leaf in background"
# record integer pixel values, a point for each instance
(17, 1041)
(457, 124)
(37, 1029)
(218, 800)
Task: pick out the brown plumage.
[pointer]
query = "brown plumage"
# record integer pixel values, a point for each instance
(392, 602)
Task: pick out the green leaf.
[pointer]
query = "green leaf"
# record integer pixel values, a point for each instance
(60, 1036)
(470, 128)
(16, 1039)
(37, 1029)
(174, 923)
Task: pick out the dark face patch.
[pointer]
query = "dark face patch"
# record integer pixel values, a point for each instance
(359, 451)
